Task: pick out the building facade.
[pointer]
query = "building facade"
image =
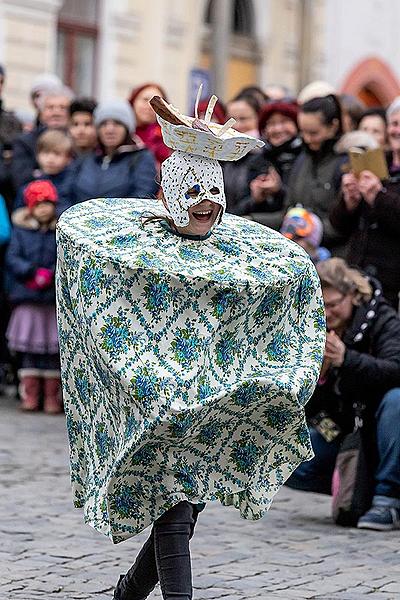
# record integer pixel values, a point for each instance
(106, 47)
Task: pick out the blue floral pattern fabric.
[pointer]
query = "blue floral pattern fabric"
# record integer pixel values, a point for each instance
(185, 364)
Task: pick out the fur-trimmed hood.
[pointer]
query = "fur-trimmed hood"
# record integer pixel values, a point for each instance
(22, 217)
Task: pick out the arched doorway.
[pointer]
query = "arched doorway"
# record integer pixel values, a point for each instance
(373, 82)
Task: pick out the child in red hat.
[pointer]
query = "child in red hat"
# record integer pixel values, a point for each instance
(32, 330)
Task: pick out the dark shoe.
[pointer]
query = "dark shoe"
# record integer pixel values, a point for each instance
(384, 515)
(117, 595)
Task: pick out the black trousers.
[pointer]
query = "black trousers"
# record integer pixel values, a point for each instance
(164, 558)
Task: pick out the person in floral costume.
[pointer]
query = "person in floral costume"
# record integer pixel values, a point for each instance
(190, 342)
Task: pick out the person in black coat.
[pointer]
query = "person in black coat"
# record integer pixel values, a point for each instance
(361, 365)
(367, 213)
(54, 106)
(316, 175)
(268, 171)
(10, 128)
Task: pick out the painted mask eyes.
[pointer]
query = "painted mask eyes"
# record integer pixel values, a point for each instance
(193, 192)
(214, 191)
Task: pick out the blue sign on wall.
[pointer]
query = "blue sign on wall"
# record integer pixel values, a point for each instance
(196, 77)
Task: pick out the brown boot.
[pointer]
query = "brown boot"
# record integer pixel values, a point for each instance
(52, 393)
(29, 389)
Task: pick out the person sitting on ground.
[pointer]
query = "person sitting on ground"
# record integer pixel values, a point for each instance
(54, 105)
(305, 228)
(119, 167)
(269, 171)
(361, 363)
(373, 121)
(32, 330)
(147, 128)
(81, 126)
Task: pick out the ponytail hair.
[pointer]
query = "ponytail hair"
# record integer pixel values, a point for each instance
(330, 109)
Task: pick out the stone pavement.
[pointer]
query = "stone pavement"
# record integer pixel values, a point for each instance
(46, 551)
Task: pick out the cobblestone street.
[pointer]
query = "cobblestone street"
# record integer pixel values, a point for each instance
(295, 552)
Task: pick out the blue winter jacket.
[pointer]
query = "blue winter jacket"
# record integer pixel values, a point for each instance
(130, 173)
(29, 248)
(62, 182)
(5, 227)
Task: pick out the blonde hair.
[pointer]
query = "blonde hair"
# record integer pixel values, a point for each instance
(54, 140)
(336, 273)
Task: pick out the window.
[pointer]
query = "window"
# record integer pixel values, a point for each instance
(76, 45)
(242, 18)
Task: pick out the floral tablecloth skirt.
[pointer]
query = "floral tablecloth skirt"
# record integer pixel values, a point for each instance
(185, 364)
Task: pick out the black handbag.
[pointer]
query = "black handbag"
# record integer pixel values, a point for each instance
(352, 481)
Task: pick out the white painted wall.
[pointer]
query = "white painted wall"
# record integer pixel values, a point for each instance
(358, 29)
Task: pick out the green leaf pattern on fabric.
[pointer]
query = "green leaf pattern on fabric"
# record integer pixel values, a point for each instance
(185, 364)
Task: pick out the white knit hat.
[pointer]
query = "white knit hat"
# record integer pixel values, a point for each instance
(118, 110)
(315, 89)
(45, 82)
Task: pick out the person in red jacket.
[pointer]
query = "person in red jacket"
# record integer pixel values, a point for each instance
(147, 127)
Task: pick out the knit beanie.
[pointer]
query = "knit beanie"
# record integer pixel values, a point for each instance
(118, 110)
(39, 191)
(301, 223)
(315, 89)
(288, 109)
(45, 82)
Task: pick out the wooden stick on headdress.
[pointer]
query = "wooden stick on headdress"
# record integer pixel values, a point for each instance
(175, 117)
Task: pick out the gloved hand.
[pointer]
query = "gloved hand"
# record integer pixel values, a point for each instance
(42, 279)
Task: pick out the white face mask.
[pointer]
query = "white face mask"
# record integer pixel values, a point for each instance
(186, 180)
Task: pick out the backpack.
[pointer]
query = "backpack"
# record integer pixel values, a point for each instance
(352, 480)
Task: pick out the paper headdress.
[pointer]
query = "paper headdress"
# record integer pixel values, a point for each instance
(202, 137)
(193, 173)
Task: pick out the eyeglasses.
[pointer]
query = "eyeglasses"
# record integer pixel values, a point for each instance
(334, 303)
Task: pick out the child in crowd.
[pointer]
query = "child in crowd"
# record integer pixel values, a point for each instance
(5, 231)
(306, 229)
(81, 128)
(32, 330)
(53, 154)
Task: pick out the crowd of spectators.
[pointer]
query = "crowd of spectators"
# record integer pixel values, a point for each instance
(301, 182)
